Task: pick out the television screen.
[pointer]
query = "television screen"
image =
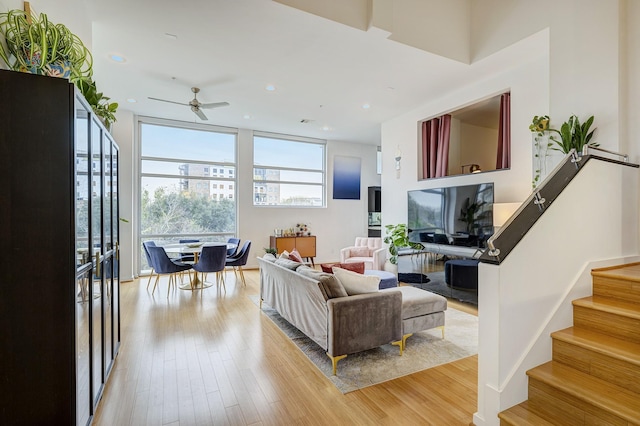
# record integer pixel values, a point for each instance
(457, 215)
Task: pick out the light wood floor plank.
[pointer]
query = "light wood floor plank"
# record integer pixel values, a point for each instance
(210, 357)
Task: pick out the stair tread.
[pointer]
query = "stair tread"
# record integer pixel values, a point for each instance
(594, 391)
(521, 415)
(601, 343)
(628, 272)
(615, 306)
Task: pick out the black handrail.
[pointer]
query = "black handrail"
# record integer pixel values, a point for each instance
(509, 235)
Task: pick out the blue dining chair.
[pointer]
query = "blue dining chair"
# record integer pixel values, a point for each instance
(239, 260)
(148, 256)
(163, 265)
(212, 259)
(233, 250)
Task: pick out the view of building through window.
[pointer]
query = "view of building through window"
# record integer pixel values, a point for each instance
(288, 171)
(187, 184)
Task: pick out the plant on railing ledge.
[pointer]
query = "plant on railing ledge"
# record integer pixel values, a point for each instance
(541, 144)
(573, 135)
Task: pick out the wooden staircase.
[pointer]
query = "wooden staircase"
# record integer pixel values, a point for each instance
(594, 375)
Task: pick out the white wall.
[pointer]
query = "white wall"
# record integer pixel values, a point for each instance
(335, 226)
(528, 83)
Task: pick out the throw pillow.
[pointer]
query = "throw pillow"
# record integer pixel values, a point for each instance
(269, 257)
(353, 266)
(328, 283)
(359, 252)
(355, 283)
(295, 255)
(284, 255)
(286, 263)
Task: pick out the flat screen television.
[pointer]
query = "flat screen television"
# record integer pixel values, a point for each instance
(456, 215)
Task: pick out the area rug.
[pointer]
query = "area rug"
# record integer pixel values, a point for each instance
(437, 285)
(424, 350)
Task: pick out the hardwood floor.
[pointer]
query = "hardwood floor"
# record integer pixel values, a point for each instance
(212, 358)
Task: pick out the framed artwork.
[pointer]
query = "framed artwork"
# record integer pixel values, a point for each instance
(346, 178)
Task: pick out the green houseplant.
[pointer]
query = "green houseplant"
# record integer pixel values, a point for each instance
(573, 135)
(470, 214)
(36, 45)
(397, 237)
(99, 103)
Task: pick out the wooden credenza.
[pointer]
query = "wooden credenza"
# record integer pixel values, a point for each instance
(306, 246)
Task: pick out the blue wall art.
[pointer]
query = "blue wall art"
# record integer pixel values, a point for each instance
(346, 178)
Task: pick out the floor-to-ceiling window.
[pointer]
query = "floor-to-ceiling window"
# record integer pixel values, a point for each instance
(187, 176)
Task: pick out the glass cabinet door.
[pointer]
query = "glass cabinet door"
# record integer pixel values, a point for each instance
(97, 246)
(108, 257)
(83, 268)
(115, 229)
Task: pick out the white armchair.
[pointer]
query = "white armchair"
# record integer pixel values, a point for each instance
(367, 250)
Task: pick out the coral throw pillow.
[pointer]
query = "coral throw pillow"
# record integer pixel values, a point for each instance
(355, 267)
(295, 255)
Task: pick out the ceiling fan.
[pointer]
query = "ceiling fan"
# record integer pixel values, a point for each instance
(195, 104)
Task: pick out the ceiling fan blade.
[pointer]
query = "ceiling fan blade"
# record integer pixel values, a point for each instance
(171, 102)
(199, 113)
(214, 105)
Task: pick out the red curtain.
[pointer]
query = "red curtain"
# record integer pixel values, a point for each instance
(504, 133)
(435, 146)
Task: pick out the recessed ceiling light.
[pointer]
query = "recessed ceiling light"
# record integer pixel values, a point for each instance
(117, 58)
(366, 106)
(326, 128)
(131, 101)
(270, 87)
(247, 117)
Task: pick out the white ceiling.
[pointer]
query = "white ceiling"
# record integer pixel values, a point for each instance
(323, 71)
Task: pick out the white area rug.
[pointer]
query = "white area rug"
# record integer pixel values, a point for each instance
(424, 350)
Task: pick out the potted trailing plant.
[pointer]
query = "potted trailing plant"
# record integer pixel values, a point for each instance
(541, 143)
(99, 103)
(397, 237)
(36, 45)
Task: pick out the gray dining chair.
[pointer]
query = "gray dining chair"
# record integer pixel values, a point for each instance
(212, 259)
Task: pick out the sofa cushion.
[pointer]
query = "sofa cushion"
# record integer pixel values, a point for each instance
(270, 257)
(287, 263)
(359, 252)
(355, 283)
(295, 255)
(329, 284)
(351, 266)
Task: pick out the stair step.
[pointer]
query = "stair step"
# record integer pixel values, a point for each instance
(568, 396)
(600, 355)
(608, 316)
(620, 282)
(521, 415)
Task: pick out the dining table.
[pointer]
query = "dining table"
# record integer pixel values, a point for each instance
(195, 249)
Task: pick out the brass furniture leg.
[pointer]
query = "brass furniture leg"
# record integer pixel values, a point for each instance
(334, 361)
(442, 329)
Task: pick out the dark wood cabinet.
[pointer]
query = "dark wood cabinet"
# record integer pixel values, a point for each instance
(59, 272)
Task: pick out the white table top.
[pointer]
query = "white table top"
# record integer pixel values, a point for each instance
(184, 247)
